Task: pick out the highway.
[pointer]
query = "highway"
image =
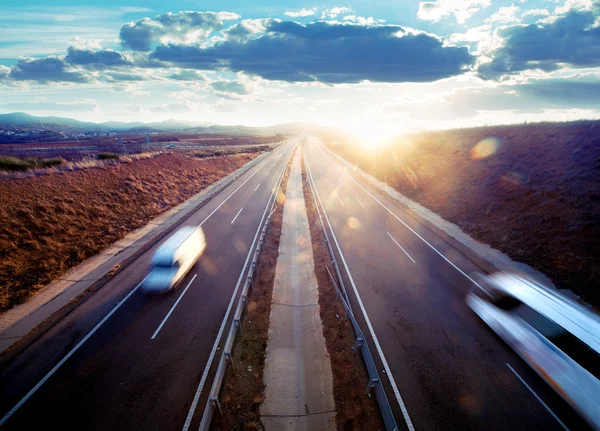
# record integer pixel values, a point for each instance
(443, 369)
(122, 360)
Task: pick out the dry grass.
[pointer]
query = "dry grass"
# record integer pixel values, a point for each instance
(50, 223)
(243, 390)
(535, 196)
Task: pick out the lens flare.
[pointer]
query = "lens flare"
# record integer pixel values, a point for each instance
(353, 223)
(484, 149)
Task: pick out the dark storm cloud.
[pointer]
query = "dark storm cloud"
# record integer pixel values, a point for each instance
(99, 59)
(46, 70)
(571, 40)
(143, 34)
(327, 52)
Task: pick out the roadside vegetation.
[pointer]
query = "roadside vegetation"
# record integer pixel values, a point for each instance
(50, 223)
(14, 164)
(531, 191)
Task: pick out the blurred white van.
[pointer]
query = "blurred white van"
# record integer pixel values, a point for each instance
(173, 260)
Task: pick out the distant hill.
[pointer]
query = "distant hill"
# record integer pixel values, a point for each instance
(24, 122)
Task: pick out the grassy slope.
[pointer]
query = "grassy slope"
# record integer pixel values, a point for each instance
(536, 198)
(50, 223)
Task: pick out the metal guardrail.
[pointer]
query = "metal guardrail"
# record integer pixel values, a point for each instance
(226, 360)
(374, 382)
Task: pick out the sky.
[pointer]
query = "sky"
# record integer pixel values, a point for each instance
(375, 68)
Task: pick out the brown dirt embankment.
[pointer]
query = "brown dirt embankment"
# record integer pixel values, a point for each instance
(531, 191)
(243, 390)
(354, 409)
(50, 223)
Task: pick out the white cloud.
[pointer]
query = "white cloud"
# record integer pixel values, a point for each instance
(363, 20)
(334, 12)
(535, 12)
(301, 13)
(461, 9)
(574, 4)
(505, 14)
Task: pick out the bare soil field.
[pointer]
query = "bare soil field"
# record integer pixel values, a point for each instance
(50, 223)
(74, 150)
(531, 191)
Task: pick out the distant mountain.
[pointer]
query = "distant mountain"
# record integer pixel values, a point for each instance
(22, 121)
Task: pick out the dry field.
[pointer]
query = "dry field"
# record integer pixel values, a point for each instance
(531, 191)
(50, 223)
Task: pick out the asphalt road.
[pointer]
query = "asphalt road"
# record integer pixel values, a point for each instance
(448, 369)
(147, 358)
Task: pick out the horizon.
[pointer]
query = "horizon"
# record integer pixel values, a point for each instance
(373, 70)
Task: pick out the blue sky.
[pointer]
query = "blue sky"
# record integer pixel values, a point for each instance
(376, 68)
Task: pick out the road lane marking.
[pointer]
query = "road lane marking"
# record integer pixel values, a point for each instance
(173, 308)
(359, 201)
(257, 187)
(95, 329)
(327, 181)
(338, 198)
(67, 356)
(401, 248)
(236, 216)
(406, 225)
(537, 397)
(386, 366)
(233, 192)
(211, 358)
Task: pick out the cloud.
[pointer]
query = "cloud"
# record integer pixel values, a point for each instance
(580, 92)
(188, 75)
(535, 12)
(505, 14)
(181, 27)
(246, 29)
(570, 40)
(328, 52)
(301, 13)
(123, 76)
(98, 59)
(334, 12)
(77, 106)
(173, 108)
(235, 87)
(46, 70)
(461, 9)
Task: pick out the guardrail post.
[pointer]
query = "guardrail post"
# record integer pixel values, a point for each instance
(237, 323)
(358, 343)
(215, 402)
(371, 385)
(229, 359)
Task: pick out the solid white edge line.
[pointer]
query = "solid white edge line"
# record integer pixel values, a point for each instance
(236, 216)
(537, 397)
(257, 187)
(173, 308)
(401, 221)
(196, 399)
(93, 331)
(401, 248)
(388, 371)
(67, 356)
(359, 201)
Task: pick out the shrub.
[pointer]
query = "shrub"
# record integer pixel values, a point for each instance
(108, 156)
(15, 164)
